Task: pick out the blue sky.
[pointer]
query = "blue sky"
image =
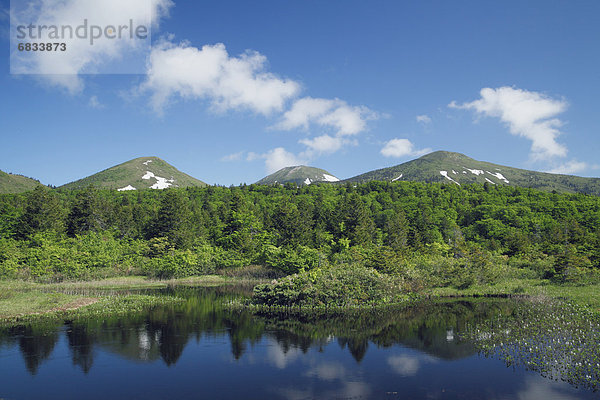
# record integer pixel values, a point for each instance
(235, 89)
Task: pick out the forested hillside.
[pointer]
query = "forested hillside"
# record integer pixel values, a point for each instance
(421, 231)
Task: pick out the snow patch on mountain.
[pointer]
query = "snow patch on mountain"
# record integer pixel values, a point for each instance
(475, 171)
(499, 176)
(489, 181)
(395, 179)
(445, 175)
(330, 178)
(148, 175)
(147, 162)
(307, 181)
(161, 183)
(126, 188)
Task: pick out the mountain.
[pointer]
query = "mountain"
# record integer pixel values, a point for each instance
(456, 168)
(299, 174)
(10, 183)
(139, 173)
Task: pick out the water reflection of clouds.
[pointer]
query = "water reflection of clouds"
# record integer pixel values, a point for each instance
(341, 383)
(280, 358)
(348, 390)
(327, 371)
(407, 365)
(541, 388)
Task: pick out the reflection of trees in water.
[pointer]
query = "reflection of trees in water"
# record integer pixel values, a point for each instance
(357, 347)
(35, 342)
(81, 343)
(424, 327)
(164, 332)
(36, 345)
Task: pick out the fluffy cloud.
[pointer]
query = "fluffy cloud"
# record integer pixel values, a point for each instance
(62, 69)
(324, 144)
(330, 114)
(276, 159)
(570, 167)
(334, 114)
(425, 119)
(402, 148)
(528, 114)
(210, 73)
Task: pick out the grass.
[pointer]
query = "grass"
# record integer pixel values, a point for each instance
(109, 306)
(126, 283)
(588, 295)
(15, 304)
(22, 300)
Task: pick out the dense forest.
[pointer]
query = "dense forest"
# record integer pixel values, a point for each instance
(427, 233)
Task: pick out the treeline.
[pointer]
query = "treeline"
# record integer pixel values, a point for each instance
(441, 234)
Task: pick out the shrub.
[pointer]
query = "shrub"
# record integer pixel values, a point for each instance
(291, 260)
(330, 287)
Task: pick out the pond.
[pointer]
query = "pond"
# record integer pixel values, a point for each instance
(203, 349)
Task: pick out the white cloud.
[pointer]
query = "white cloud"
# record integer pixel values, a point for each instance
(425, 119)
(324, 144)
(229, 83)
(280, 158)
(277, 159)
(402, 148)
(528, 114)
(95, 103)
(570, 167)
(63, 69)
(233, 157)
(334, 114)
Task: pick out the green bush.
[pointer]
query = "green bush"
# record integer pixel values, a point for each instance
(330, 287)
(291, 260)
(178, 264)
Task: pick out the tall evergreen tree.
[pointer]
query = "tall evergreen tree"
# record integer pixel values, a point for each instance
(87, 213)
(43, 212)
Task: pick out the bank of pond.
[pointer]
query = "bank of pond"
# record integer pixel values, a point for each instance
(211, 342)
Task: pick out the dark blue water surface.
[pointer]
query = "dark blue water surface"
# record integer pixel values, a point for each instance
(201, 349)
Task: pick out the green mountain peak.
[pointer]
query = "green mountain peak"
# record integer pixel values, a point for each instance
(299, 174)
(137, 174)
(456, 168)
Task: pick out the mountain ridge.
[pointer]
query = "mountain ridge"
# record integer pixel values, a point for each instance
(137, 174)
(440, 166)
(15, 183)
(457, 168)
(299, 174)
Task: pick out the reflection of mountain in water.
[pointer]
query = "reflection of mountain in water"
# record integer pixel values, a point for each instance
(165, 331)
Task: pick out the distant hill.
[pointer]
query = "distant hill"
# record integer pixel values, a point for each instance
(300, 175)
(137, 174)
(11, 183)
(456, 168)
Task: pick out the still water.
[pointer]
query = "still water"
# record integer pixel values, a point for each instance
(202, 349)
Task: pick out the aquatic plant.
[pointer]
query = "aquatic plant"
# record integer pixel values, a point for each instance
(560, 340)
